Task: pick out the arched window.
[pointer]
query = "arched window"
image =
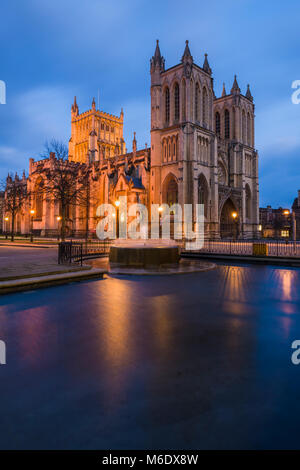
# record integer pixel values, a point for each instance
(226, 124)
(176, 102)
(39, 199)
(218, 123)
(243, 127)
(233, 123)
(248, 202)
(183, 101)
(248, 129)
(165, 150)
(197, 102)
(204, 107)
(167, 105)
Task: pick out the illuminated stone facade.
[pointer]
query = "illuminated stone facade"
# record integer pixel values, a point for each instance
(202, 151)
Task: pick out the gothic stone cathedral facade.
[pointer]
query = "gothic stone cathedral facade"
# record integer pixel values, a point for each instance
(202, 151)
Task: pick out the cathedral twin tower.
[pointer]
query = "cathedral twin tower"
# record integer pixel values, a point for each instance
(202, 147)
(202, 151)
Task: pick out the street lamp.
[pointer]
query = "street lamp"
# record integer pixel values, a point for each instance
(235, 218)
(160, 211)
(32, 211)
(117, 204)
(58, 218)
(6, 224)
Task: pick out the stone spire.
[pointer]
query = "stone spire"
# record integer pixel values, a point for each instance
(224, 90)
(157, 60)
(187, 53)
(93, 104)
(235, 90)
(75, 108)
(206, 66)
(134, 144)
(248, 93)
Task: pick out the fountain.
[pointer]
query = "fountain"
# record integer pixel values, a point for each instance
(151, 257)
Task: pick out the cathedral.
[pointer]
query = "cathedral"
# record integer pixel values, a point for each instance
(202, 151)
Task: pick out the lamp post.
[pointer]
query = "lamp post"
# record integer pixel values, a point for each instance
(32, 211)
(160, 211)
(117, 204)
(235, 218)
(287, 224)
(58, 218)
(6, 224)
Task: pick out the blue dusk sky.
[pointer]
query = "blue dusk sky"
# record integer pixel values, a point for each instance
(53, 50)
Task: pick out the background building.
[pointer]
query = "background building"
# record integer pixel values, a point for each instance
(275, 223)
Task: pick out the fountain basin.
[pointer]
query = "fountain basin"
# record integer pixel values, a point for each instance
(144, 256)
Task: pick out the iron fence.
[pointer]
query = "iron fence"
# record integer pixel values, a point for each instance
(260, 247)
(72, 252)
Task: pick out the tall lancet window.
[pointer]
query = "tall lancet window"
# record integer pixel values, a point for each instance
(243, 126)
(197, 102)
(218, 123)
(183, 101)
(204, 107)
(248, 129)
(227, 124)
(167, 105)
(176, 102)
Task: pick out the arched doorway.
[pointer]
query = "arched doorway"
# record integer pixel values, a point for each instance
(203, 193)
(170, 197)
(229, 226)
(170, 190)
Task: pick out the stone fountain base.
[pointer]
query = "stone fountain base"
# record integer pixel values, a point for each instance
(151, 257)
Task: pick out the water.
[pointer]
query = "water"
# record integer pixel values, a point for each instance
(186, 361)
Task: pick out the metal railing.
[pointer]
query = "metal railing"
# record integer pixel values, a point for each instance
(273, 248)
(72, 252)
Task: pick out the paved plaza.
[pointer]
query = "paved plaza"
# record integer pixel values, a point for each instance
(191, 361)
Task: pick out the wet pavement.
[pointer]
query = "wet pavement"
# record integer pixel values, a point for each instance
(194, 361)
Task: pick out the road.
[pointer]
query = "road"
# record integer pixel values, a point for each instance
(195, 361)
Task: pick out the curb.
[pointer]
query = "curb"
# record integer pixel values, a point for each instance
(45, 273)
(17, 285)
(28, 245)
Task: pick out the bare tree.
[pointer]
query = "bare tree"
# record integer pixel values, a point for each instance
(14, 198)
(64, 181)
(55, 146)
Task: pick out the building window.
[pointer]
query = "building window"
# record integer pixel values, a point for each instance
(39, 199)
(183, 101)
(176, 102)
(248, 129)
(197, 102)
(204, 107)
(243, 127)
(285, 233)
(227, 124)
(167, 105)
(248, 202)
(218, 123)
